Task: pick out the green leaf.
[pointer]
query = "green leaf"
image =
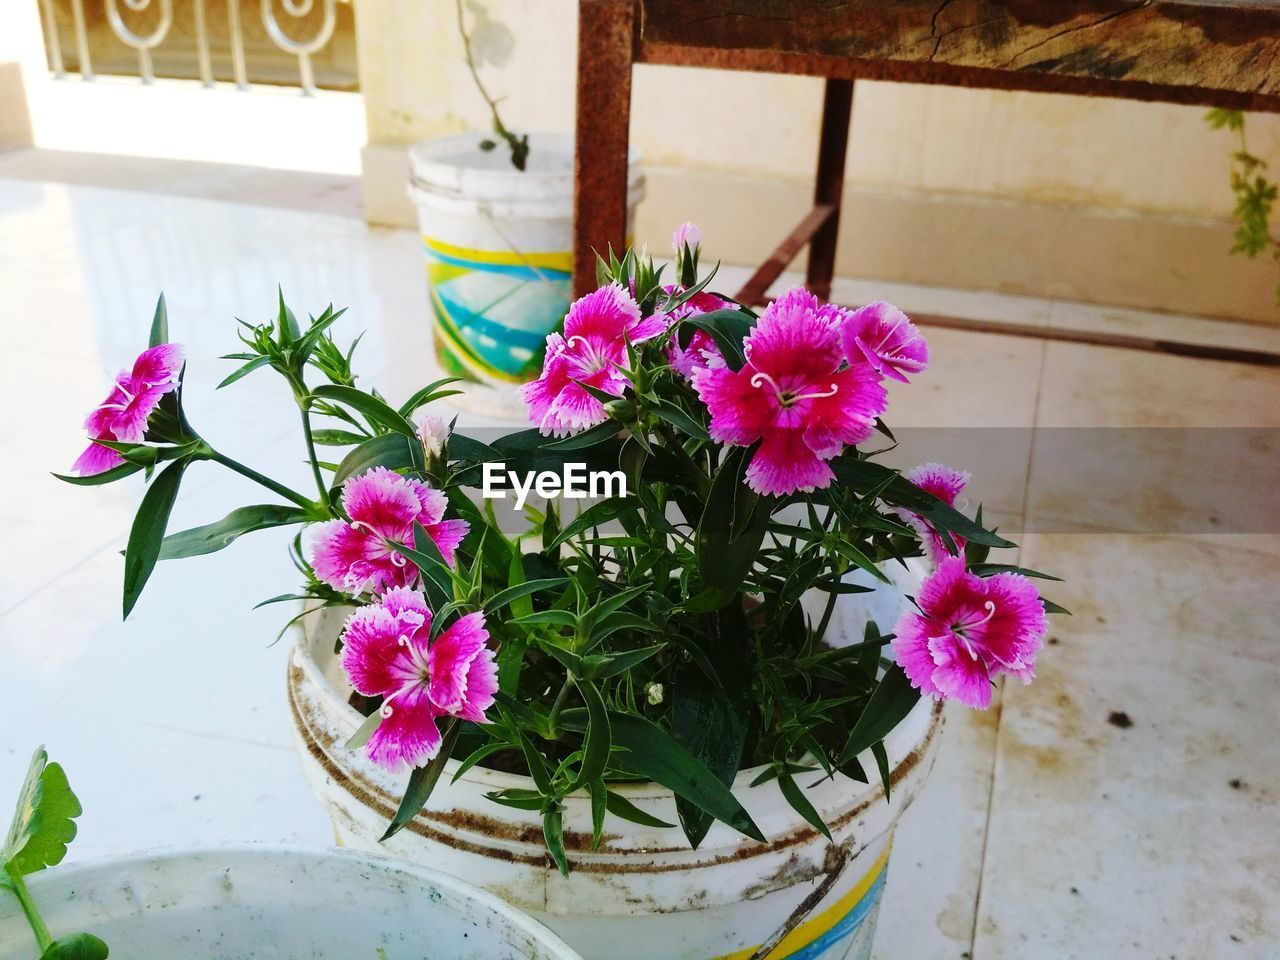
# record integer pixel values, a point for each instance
(307, 343)
(512, 594)
(597, 742)
(553, 833)
(370, 406)
(728, 328)
(364, 731)
(594, 516)
(732, 527)
(891, 700)
(624, 809)
(882, 764)
(602, 666)
(709, 718)
(213, 537)
(801, 805)
(1051, 607)
(678, 418)
(44, 822)
(391, 450)
(147, 534)
(588, 438)
(599, 804)
(428, 393)
(286, 324)
(654, 753)
(462, 447)
(422, 781)
(159, 324)
(78, 946)
(338, 438)
(988, 569)
(107, 476)
(558, 618)
(864, 475)
(240, 373)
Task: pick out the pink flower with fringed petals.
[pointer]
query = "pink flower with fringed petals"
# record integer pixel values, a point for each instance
(382, 505)
(134, 397)
(794, 394)
(969, 630)
(946, 484)
(702, 350)
(881, 334)
(387, 653)
(591, 351)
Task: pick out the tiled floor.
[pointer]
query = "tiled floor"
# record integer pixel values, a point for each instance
(1125, 805)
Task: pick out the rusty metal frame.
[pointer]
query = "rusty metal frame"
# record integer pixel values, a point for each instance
(611, 41)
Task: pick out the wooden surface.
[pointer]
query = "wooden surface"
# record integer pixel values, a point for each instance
(1209, 44)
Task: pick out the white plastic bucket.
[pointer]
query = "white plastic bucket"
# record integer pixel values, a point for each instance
(643, 895)
(499, 250)
(276, 902)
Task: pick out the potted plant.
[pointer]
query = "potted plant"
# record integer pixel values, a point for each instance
(235, 902)
(495, 211)
(690, 713)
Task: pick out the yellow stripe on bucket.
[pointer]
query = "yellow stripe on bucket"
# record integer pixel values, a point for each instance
(550, 260)
(815, 927)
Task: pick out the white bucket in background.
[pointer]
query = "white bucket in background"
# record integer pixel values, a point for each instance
(273, 902)
(499, 250)
(643, 894)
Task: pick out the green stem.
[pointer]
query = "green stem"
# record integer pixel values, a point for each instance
(696, 473)
(256, 477)
(499, 127)
(554, 719)
(19, 887)
(311, 451)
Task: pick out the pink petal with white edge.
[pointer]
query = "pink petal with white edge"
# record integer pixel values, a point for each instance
(408, 736)
(433, 502)
(383, 500)
(156, 365)
(784, 464)
(794, 337)
(447, 535)
(347, 559)
(606, 313)
(96, 459)
(408, 605)
(740, 413)
(959, 675)
(482, 687)
(936, 591)
(449, 658)
(372, 655)
(881, 334)
(911, 651)
(945, 483)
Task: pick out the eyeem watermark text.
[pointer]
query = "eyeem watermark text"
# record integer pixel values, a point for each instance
(575, 483)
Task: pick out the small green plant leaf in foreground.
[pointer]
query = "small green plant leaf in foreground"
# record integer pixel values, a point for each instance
(43, 824)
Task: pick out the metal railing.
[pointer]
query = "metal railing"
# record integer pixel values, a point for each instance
(307, 27)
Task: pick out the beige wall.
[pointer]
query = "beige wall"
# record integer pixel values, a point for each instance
(1144, 183)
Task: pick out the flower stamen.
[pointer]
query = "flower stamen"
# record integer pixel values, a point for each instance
(785, 398)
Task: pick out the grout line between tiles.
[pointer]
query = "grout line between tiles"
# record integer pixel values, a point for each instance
(1035, 432)
(986, 828)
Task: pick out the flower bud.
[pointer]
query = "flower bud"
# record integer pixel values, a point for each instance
(621, 409)
(433, 432)
(654, 693)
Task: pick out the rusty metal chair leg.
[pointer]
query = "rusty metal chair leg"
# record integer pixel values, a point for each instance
(606, 46)
(837, 108)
